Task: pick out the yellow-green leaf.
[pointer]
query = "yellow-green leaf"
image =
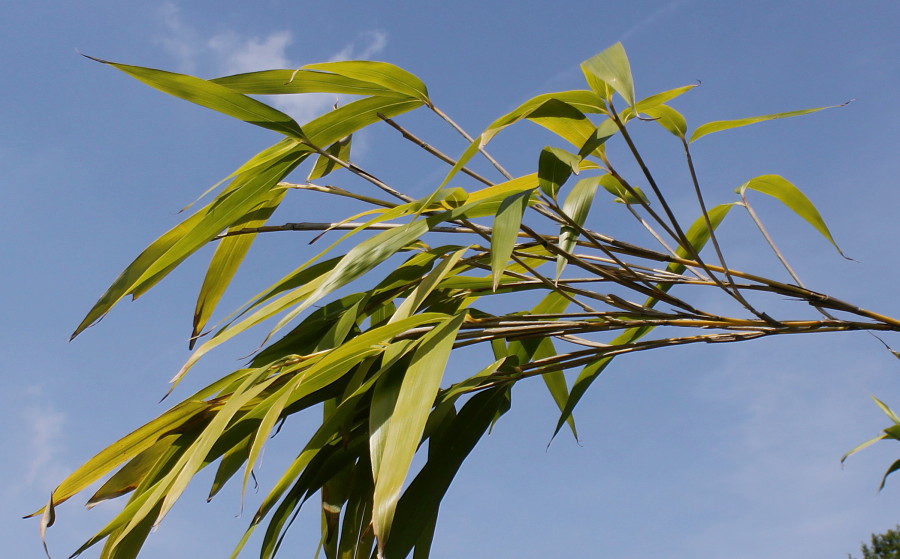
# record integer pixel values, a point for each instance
(719, 125)
(386, 75)
(213, 96)
(227, 259)
(785, 192)
(668, 118)
(506, 231)
(555, 166)
(611, 66)
(414, 401)
(577, 205)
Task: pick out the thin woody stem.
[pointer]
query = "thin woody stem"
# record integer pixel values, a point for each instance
(432, 150)
(468, 137)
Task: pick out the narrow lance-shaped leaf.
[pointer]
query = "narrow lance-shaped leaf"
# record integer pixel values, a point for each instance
(227, 259)
(577, 205)
(785, 192)
(325, 165)
(622, 195)
(423, 496)
(506, 231)
(668, 118)
(213, 96)
(386, 75)
(283, 82)
(719, 125)
(417, 393)
(163, 255)
(698, 235)
(555, 166)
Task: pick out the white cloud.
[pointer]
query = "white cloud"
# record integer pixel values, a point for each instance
(231, 52)
(43, 428)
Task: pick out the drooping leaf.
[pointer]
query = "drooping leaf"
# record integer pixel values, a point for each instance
(555, 166)
(623, 196)
(425, 492)
(226, 259)
(416, 397)
(577, 205)
(668, 118)
(506, 231)
(785, 192)
(324, 165)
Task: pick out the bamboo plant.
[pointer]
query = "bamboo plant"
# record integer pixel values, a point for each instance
(432, 275)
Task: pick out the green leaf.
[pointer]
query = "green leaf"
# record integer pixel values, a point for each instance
(577, 205)
(659, 99)
(887, 411)
(127, 448)
(611, 66)
(719, 125)
(506, 231)
(213, 96)
(668, 118)
(226, 260)
(423, 496)
(280, 82)
(555, 166)
(416, 397)
(791, 196)
(248, 191)
(383, 74)
(324, 165)
(894, 467)
(623, 196)
(698, 235)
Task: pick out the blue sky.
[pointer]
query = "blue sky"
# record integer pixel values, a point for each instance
(701, 452)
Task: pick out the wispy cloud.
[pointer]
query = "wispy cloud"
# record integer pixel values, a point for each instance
(642, 25)
(43, 427)
(231, 52)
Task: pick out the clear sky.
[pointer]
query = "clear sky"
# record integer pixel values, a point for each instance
(704, 452)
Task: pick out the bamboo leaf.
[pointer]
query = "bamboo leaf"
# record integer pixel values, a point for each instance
(416, 397)
(887, 411)
(247, 192)
(668, 118)
(555, 166)
(659, 99)
(213, 96)
(129, 476)
(893, 468)
(698, 235)
(383, 74)
(423, 496)
(577, 205)
(506, 231)
(281, 82)
(623, 196)
(125, 449)
(719, 125)
(324, 165)
(611, 66)
(227, 259)
(791, 196)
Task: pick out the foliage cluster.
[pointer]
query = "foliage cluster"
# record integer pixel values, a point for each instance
(435, 275)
